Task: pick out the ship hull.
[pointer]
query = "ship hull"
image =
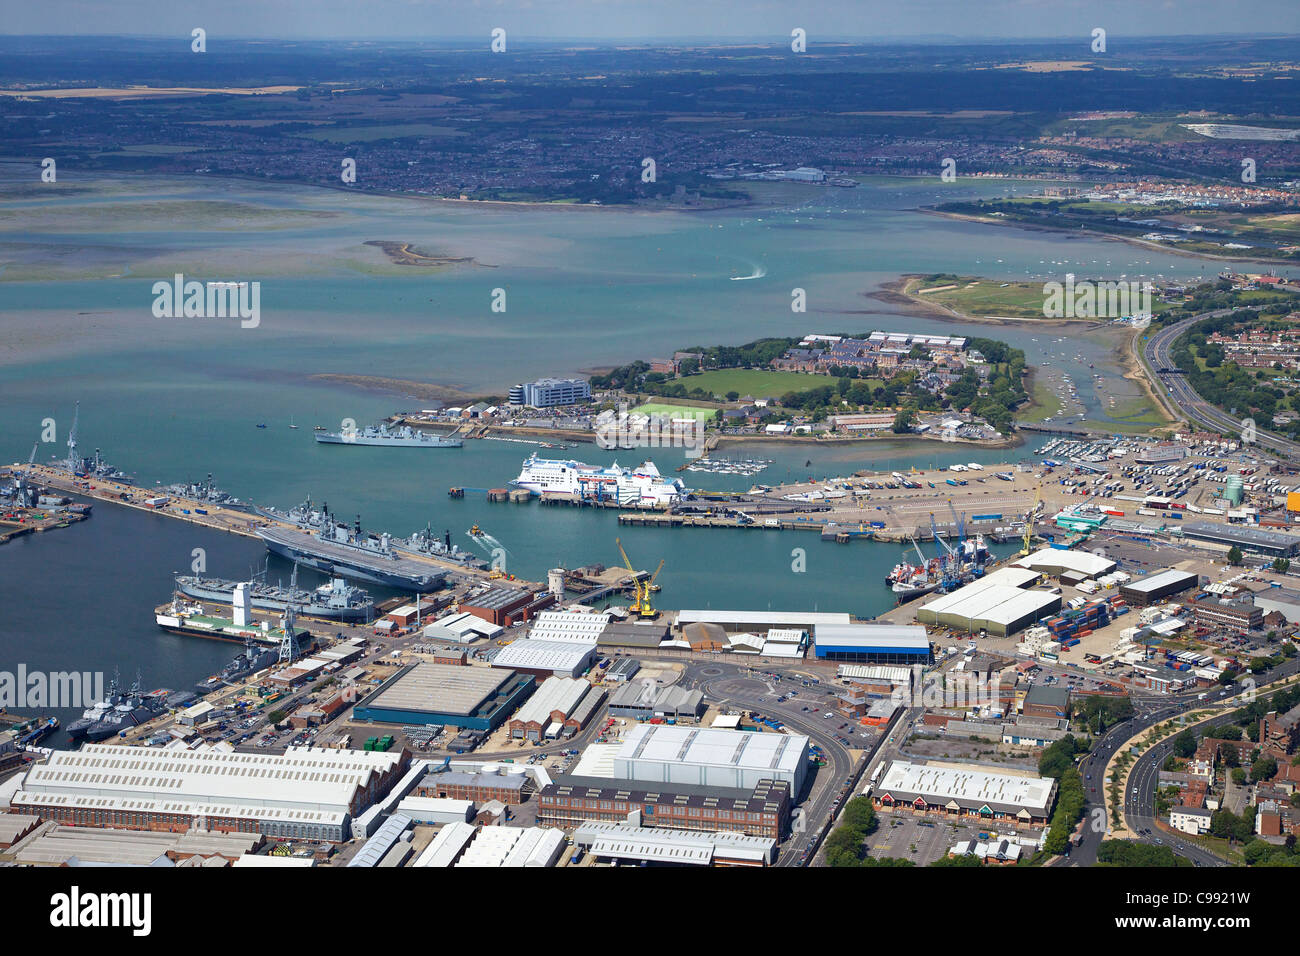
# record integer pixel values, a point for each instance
(334, 560)
(333, 438)
(914, 592)
(309, 609)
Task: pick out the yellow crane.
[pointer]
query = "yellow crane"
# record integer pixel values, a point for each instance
(641, 605)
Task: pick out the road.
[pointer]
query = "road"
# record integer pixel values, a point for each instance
(1157, 352)
(748, 689)
(1139, 802)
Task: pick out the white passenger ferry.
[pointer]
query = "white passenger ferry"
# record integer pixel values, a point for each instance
(642, 486)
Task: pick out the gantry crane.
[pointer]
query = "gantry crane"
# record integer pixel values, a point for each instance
(641, 605)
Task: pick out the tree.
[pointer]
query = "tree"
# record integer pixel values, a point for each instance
(1234, 556)
(859, 813)
(1132, 854)
(1185, 744)
(1263, 769)
(903, 421)
(1281, 565)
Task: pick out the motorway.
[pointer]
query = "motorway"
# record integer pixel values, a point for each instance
(1157, 351)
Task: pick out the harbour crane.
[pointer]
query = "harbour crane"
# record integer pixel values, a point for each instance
(959, 521)
(74, 460)
(951, 554)
(23, 494)
(1029, 520)
(641, 604)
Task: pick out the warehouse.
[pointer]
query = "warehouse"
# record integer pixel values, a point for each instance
(633, 634)
(998, 603)
(461, 628)
(587, 708)
(83, 846)
(306, 793)
(447, 845)
(385, 838)
(642, 700)
(1055, 562)
(585, 627)
(679, 704)
(869, 643)
(513, 847)
(635, 699)
(436, 810)
(966, 791)
(785, 642)
(546, 658)
(760, 621)
(1269, 544)
(706, 638)
(616, 841)
(1042, 700)
(478, 698)
(554, 700)
(879, 680)
(763, 811)
(1288, 609)
(660, 753)
(623, 669)
(1154, 588)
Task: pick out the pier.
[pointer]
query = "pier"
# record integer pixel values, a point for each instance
(203, 514)
(17, 522)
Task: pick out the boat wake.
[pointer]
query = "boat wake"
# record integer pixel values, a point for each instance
(759, 272)
(487, 542)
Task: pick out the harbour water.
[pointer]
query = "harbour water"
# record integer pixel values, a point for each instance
(175, 399)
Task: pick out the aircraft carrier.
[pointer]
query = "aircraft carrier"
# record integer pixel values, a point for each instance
(336, 549)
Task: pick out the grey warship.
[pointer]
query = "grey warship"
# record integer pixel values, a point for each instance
(383, 434)
(335, 601)
(334, 548)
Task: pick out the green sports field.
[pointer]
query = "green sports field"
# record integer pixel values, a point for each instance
(674, 411)
(754, 382)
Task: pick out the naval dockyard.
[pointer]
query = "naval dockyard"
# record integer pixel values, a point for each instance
(1100, 568)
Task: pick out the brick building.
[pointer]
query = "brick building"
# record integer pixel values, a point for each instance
(571, 801)
(510, 789)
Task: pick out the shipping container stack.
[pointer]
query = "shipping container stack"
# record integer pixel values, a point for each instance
(1074, 624)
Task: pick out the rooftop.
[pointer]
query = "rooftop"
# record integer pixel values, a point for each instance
(720, 748)
(445, 688)
(970, 786)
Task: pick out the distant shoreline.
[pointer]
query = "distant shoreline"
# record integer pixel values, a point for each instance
(1131, 240)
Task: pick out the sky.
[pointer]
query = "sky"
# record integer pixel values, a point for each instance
(828, 20)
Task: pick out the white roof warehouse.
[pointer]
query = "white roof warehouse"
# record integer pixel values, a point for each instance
(661, 753)
(966, 791)
(306, 793)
